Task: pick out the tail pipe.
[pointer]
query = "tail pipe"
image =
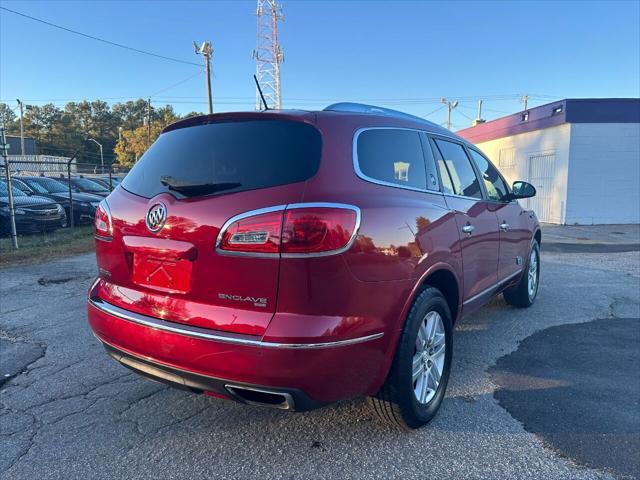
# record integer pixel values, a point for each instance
(261, 397)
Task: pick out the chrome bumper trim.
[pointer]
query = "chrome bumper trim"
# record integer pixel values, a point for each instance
(206, 334)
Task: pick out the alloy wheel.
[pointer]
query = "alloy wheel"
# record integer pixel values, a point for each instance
(428, 357)
(532, 274)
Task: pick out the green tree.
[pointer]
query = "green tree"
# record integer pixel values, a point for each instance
(134, 143)
(9, 118)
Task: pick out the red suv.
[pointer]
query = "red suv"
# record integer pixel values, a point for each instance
(292, 259)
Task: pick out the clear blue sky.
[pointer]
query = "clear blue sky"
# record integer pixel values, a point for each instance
(397, 54)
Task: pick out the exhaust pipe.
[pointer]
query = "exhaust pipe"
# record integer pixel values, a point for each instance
(261, 397)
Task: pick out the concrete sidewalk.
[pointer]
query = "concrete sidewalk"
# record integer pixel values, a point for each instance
(590, 238)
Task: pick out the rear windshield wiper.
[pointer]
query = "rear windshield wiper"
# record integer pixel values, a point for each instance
(194, 189)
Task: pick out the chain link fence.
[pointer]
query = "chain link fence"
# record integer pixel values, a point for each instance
(49, 193)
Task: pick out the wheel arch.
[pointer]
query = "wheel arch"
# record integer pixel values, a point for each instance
(445, 280)
(441, 276)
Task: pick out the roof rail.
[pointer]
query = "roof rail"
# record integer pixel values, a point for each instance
(372, 109)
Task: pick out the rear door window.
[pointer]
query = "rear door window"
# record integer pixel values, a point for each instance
(248, 154)
(393, 156)
(462, 177)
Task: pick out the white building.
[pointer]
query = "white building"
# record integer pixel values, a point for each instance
(582, 155)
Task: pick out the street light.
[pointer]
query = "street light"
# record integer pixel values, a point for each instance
(100, 145)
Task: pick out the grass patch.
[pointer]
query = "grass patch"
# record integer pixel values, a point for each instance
(41, 247)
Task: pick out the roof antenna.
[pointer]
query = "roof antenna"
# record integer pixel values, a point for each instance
(264, 102)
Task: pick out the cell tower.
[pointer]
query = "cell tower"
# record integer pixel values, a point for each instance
(268, 54)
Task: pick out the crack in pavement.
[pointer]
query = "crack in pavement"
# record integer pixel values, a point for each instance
(75, 398)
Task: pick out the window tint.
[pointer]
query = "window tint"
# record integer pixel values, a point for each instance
(87, 184)
(48, 184)
(24, 186)
(392, 156)
(4, 191)
(463, 178)
(254, 154)
(495, 186)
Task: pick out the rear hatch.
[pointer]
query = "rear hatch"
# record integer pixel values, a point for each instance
(169, 210)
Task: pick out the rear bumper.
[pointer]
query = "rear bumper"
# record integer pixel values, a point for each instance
(311, 374)
(283, 398)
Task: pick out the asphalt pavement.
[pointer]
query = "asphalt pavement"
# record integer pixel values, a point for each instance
(571, 385)
(68, 411)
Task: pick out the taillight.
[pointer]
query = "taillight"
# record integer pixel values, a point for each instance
(296, 230)
(317, 229)
(258, 233)
(102, 221)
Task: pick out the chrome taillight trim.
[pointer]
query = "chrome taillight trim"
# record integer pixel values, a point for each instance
(344, 206)
(238, 217)
(290, 206)
(105, 206)
(205, 334)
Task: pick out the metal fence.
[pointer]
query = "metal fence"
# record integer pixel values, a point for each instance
(49, 193)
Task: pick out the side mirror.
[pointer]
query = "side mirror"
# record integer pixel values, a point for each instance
(522, 190)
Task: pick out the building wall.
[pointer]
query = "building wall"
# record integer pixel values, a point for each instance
(512, 155)
(15, 145)
(604, 173)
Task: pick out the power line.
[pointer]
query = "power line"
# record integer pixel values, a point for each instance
(108, 42)
(434, 111)
(398, 101)
(465, 115)
(177, 83)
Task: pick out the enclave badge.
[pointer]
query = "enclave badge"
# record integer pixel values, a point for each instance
(257, 301)
(156, 216)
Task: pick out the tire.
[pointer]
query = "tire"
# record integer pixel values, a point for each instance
(521, 295)
(397, 402)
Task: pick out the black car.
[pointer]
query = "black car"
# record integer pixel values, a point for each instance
(104, 181)
(33, 213)
(84, 204)
(84, 185)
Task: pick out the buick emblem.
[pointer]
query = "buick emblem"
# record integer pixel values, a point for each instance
(156, 216)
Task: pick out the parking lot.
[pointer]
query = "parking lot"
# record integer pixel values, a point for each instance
(69, 411)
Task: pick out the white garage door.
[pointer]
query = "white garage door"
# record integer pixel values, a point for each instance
(541, 173)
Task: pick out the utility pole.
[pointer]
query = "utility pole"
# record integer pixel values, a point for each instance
(206, 50)
(21, 127)
(450, 107)
(148, 122)
(268, 54)
(525, 101)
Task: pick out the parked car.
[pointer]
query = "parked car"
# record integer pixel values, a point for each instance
(84, 204)
(104, 181)
(32, 213)
(84, 185)
(293, 259)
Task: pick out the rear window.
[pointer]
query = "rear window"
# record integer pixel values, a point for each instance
(254, 154)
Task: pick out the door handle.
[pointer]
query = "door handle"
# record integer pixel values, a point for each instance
(504, 226)
(468, 229)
